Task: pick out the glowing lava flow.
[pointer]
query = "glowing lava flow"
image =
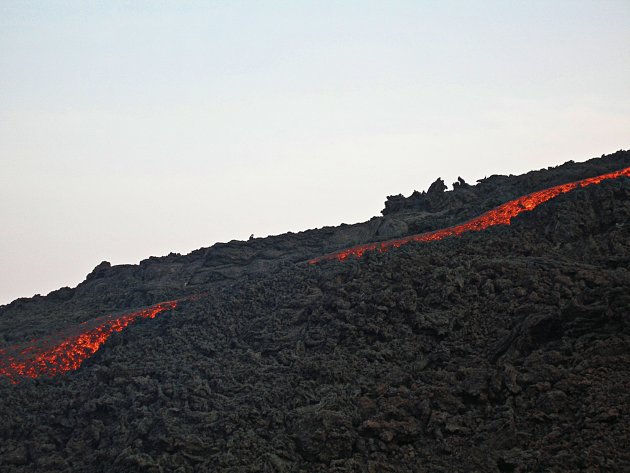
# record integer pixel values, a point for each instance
(501, 215)
(48, 357)
(45, 358)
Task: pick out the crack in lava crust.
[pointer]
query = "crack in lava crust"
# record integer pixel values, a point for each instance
(501, 215)
(48, 357)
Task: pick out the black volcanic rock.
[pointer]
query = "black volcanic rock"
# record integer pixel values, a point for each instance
(465, 201)
(504, 350)
(438, 187)
(460, 184)
(99, 271)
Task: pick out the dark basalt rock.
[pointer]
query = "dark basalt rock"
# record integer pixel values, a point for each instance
(99, 271)
(505, 350)
(460, 184)
(466, 200)
(438, 187)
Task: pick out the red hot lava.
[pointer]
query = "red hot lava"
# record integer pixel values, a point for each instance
(48, 357)
(45, 358)
(501, 215)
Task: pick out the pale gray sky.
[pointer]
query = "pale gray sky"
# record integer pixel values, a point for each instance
(130, 129)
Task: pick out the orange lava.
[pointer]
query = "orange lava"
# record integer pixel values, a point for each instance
(48, 357)
(501, 215)
(43, 358)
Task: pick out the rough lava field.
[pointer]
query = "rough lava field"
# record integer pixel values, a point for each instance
(373, 347)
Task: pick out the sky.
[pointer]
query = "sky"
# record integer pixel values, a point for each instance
(137, 128)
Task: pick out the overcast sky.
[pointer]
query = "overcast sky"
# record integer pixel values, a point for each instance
(130, 129)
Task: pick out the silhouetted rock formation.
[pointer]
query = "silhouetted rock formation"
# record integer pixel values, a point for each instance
(438, 187)
(460, 184)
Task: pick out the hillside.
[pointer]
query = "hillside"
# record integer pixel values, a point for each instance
(506, 349)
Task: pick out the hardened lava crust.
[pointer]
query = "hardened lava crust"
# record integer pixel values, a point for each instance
(502, 350)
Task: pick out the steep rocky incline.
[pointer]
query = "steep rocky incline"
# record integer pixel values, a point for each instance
(506, 350)
(113, 289)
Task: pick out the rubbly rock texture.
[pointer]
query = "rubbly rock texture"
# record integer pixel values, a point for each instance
(466, 201)
(504, 214)
(505, 350)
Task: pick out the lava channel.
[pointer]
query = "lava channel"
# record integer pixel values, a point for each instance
(49, 357)
(501, 215)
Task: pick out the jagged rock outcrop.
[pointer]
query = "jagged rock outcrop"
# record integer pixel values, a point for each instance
(465, 200)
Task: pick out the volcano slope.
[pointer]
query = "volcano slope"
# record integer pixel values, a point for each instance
(502, 350)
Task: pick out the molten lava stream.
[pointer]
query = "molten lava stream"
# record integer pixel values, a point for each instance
(47, 357)
(501, 215)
